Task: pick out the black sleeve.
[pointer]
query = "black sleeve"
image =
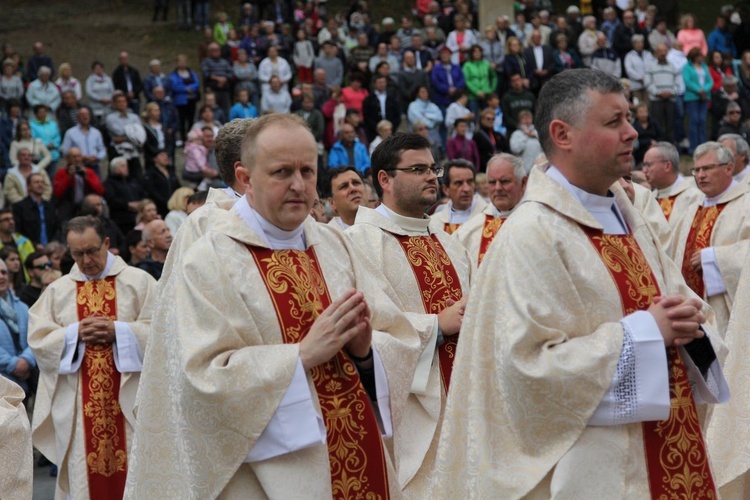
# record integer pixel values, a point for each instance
(702, 353)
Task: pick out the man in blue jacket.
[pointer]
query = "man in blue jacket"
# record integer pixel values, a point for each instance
(349, 151)
(721, 38)
(446, 78)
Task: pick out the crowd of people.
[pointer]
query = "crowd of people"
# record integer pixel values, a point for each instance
(367, 195)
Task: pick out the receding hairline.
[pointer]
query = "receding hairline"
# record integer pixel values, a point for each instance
(251, 143)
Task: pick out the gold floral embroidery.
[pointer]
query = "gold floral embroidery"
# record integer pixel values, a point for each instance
(450, 228)
(489, 230)
(355, 451)
(434, 272)
(699, 237)
(667, 205)
(95, 298)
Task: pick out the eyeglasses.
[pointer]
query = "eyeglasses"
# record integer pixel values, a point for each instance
(91, 252)
(734, 112)
(707, 168)
(42, 266)
(649, 164)
(420, 170)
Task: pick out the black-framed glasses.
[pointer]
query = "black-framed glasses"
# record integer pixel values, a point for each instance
(43, 265)
(707, 168)
(91, 252)
(419, 170)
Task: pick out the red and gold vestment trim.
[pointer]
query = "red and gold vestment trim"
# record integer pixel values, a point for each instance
(490, 228)
(699, 238)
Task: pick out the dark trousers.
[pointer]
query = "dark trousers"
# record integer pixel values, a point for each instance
(663, 111)
(185, 117)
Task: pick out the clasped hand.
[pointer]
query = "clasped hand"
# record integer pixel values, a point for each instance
(96, 330)
(679, 319)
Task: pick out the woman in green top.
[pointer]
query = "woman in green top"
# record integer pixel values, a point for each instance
(481, 79)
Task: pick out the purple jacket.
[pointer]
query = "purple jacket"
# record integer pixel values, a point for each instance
(441, 84)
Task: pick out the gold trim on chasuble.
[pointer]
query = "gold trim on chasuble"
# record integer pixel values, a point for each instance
(667, 205)
(699, 238)
(451, 228)
(438, 282)
(356, 456)
(676, 458)
(103, 421)
(489, 230)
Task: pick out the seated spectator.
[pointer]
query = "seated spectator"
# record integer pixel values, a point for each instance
(459, 110)
(565, 56)
(46, 130)
(16, 276)
(177, 206)
(277, 99)
(43, 91)
(426, 112)
(461, 146)
(123, 126)
(274, 66)
(160, 181)
(146, 213)
(196, 157)
(68, 83)
(15, 186)
(17, 362)
(158, 238)
(100, 90)
(353, 118)
(11, 238)
(155, 78)
(156, 133)
(67, 113)
(137, 250)
(72, 183)
(35, 215)
(524, 142)
(11, 85)
(40, 155)
(446, 78)
(349, 151)
(649, 132)
(93, 205)
(728, 92)
(220, 116)
(37, 265)
(123, 194)
(384, 130)
(438, 154)
(246, 76)
(243, 108)
(206, 120)
(489, 142)
(732, 122)
(168, 118)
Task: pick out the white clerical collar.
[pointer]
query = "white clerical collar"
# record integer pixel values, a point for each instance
(739, 177)
(500, 214)
(602, 208)
(410, 225)
(460, 216)
(275, 237)
(710, 202)
(231, 192)
(108, 267)
(341, 223)
(667, 191)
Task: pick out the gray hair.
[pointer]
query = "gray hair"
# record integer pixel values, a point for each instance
(565, 97)
(637, 38)
(669, 153)
(44, 69)
(730, 80)
(518, 169)
(723, 154)
(116, 162)
(740, 144)
(732, 106)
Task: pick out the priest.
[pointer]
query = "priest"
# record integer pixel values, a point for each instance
(425, 273)
(582, 359)
(710, 239)
(741, 153)
(16, 454)
(459, 185)
(88, 332)
(661, 164)
(506, 177)
(270, 374)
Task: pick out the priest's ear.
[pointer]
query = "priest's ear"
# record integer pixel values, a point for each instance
(384, 179)
(560, 133)
(241, 177)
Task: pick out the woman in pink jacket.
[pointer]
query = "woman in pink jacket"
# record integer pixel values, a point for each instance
(690, 36)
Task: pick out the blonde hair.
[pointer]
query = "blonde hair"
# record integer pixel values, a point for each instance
(141, 205)
(178, 200)
(65, 66)
(149, 107)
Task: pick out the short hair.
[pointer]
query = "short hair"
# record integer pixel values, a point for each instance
(21, 150)
(565, 97)
(133, 238)
(228, 147)
(519, 171)
(44, 70)
(451, 164)
(335, 172)
(95, 64)
(382, 125)
(729, 80)
(732, 106)
(204, 108)
(197, 197)
(460, 121)
(637, 38)
(29, 262)
(693, 54)
(740, 144)
(723, 153)
(178, 200)
(669, 152)
(258, 125)
(64, 66)
(117, 161)
(34, 174)
(388, 153)
(81, 223)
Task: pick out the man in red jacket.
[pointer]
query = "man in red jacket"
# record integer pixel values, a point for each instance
(73, 183)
